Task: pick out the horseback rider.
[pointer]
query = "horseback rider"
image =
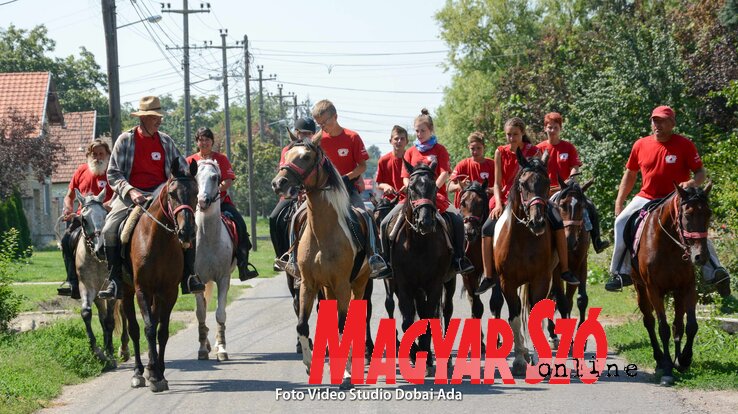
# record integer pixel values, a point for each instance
(89, 178)
(346, 151)
(141, 162)
(426, 149)
(506, 168)
(205, 139)
(663, 158)
(389, 166)
(475, 168)
(564, 162)
(304, 128)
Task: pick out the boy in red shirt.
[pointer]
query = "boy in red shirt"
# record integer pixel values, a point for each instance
(663, 159)
(389, 166)
(90, 178)
(475, 168)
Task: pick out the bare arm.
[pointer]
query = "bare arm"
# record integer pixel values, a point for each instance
(358, 170)
(225, 184)
(498, 185)
(442, 178)
(626, 186)
(697, 179)
(68, 204)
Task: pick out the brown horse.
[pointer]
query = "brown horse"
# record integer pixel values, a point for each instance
(674, 237)
(523, 249)
(326, 252)
(571, 204)
(475, 209)
(157, 265)
(420, 256)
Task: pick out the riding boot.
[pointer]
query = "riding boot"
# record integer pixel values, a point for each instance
(191, 282)
(115, 274)
(563, 250)
(462, 264)
(68, 254)
(246, 270)
(385, 254)
(490, 278)
(597, 243)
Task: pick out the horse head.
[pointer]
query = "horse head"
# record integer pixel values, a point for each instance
(474, 209)
(304, 163)
(181, 199)
(420, 204)
(92, 218)
(692, 209)
(208, 183)
(530, 191)
(572, 203)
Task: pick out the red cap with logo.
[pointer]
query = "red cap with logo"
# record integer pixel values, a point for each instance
(663, 112)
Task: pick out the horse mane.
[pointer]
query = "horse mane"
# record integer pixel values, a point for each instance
(477, 188)
(212, 162)
(535, 164)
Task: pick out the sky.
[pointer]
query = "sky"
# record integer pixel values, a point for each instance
(378, 61)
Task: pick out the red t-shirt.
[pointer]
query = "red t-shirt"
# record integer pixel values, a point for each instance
(663, 163)
(510, 168)
(147, 171)
(562, 158)
(226, 170)
(345, 151)
(86, 183)
(389, 171)
(440, 155)
(475, 171)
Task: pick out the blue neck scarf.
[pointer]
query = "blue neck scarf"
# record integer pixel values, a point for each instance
(427, 145)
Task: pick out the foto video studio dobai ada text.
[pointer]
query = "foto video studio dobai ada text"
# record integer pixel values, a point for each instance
(386, 359)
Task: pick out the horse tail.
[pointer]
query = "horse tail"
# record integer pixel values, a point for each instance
(118, 317)
(208, 291)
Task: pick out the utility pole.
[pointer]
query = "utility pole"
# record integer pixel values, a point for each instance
(186, 63)
(111, 46)
(262, 126)
(294, 108)
(247, 81)
(281, 115)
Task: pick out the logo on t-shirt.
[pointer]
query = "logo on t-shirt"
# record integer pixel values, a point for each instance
(671, 159)
(430, 158)
(101, 183)
(342, 152)
(564, 156)
(484, 175)
(156, 156)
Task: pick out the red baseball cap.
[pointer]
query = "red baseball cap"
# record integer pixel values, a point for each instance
(663, 111)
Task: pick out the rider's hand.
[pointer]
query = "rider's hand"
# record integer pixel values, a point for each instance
(136, 196)
(347, 182)
(618, 208)
(388, 190)
(67, 214)
(496, 212)
(465, 183)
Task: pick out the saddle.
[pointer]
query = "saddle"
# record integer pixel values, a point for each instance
(231, 227)
(634, 226)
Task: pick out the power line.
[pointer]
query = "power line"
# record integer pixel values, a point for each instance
(276, 52)
(363, 90)
(348, 41)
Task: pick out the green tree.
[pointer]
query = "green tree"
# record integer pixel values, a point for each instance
(266, 158)
(371, 163)
(79, 81)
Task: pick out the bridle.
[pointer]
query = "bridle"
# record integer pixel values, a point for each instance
(527, 203)
(579, 196)
(476, 221)
(217, 195)
(416, 205)
(90, 238)
(168, 212)
(677, 218)
(304, 174)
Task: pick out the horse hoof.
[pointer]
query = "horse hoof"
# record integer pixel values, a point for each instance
(346, 384)
(307, 371)
(554, 342)
(298, 348)
(667, 381)
(147, 373)
(138, 381)
(110, 364)
(124, 355)
(519, 369)
(207, 345)
(430, 372)
(222, 356)
(159, 386)
(203, 355)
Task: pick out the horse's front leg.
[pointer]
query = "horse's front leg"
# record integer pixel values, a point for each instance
(308, 291)
(690, 302)
(649, 322)
(220, 317)
(135, 334)
(520, 365)
(407, 309)
(201, 309)
(108, 325)
(342, 294)
(86, 314)
(124, 352)
(151, 372)
(163, 313)
(369, 342)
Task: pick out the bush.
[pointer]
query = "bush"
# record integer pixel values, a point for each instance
(9, 301)
(13, 217)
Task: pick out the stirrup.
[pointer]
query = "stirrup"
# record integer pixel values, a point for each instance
(718, 276)
(291, 269)
(112, 291)
(618, 282)
(486, 284)
(194, 284)
(249, 272)
(63, 290)
(569, 278)
(601, 246)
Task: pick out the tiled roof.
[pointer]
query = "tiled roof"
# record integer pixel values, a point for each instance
(32, 94)
(74, 136)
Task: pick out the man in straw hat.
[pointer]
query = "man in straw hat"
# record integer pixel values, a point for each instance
(141, 162)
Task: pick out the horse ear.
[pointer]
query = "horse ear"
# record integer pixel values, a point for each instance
(682, 192)
(80, 198)
(408, 167)
(193, 168)
(708, 187)
(544, 158)
(485, 184)
(562, 183)
(521, 159)
(175, 167)
(292, 136)
(433, 165)
(100, 197)
(317, 137)
(588, 184)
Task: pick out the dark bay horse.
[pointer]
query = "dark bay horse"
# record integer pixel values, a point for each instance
(474, 210)
(326, 252)
(673, 240)
(157, 265)
(571, 204)
(420, 257)
(523, 249)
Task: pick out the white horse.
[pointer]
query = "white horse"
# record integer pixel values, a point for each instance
(214, 260)
(92, 271)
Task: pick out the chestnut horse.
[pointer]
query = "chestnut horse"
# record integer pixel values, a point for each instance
(674, 238)
(523, 249)
(157, 265)
(570, 201)
(420, 256)
(326, 250)
(475, 209)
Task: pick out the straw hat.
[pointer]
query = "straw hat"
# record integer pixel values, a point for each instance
(149, 105)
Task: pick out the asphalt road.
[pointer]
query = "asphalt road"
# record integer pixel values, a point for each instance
(261, 343)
